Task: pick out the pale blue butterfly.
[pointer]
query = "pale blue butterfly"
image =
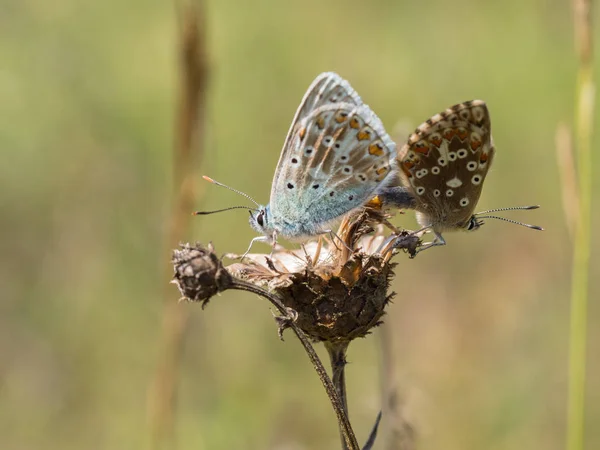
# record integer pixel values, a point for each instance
(335, 157)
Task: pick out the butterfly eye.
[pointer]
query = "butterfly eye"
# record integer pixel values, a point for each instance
(259, 218)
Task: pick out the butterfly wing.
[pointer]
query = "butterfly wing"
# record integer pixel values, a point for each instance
(445, 162)
(327, 88)
(336, 159)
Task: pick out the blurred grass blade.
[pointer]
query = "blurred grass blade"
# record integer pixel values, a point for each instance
(565, 159)
(584, 113)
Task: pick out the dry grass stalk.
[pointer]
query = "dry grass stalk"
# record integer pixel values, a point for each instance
(187, 151)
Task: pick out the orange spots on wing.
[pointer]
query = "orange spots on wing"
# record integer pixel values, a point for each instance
(341, 116)
(354, 123)
(475, 145)
(382, 170)
(302, 133)
(376, 149)
(483, 158)
(436, 140)
(405, 167)
(462, 133)
(421, 147)
(320, 122)
(449, 133)
(364, 134)
(375, 203)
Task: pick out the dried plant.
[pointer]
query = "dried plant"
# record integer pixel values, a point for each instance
(326, 292)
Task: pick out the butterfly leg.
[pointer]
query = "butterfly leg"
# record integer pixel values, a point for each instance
(256, 239)
(273, 244)
(437, 241)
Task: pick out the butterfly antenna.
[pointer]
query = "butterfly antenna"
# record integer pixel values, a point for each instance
(510, 208)
(203, 213)
(231, 189)
(534, 227)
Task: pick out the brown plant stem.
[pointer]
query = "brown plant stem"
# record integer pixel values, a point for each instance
(337, 357)
(336, 396)
(187, 151)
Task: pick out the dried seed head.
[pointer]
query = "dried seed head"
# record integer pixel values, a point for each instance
(344, 306)
(199, 274)
(339, 295)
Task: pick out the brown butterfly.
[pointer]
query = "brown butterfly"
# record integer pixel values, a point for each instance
(442, 167)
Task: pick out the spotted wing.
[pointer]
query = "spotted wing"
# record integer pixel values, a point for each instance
(336, 159)
(445, 162)
(328, 88)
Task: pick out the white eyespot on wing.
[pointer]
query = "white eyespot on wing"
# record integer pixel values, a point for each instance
(347, 169)
(442, 161)
(472, 166)
(421, 173)
(361, 177)
(464, 202)
(476, 179)
(436, 193)
(435, 170)
(420, 190)
(449, 193)
(327, 141)
(454, 182)
(462, 153)
(451, 156)
(308, 150)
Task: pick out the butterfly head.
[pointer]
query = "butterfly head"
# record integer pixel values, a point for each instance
(260, 220)
(473, 223)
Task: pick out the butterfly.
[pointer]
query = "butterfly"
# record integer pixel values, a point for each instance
(334, 158)
(442, 168)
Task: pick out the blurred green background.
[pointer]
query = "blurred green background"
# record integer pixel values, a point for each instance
(88, 96)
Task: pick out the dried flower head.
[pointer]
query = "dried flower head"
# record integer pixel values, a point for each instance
(338, 290)
(199, 274)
